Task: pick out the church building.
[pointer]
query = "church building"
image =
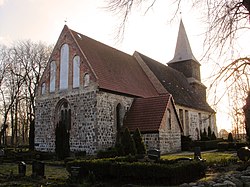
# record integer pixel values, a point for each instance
(95, 91)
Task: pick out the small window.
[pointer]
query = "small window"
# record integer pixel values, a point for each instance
(43, 88)
(86, 80)
(52, 76)
(76, 72)
(169, 121)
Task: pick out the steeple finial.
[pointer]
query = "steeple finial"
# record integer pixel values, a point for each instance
(183, 50)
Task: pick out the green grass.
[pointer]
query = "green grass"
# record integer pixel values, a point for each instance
(9, 175)
(210, 157)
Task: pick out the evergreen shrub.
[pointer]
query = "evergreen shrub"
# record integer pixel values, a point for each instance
(140, 172)
(139, 144)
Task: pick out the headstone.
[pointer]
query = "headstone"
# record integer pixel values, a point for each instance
(243, 153)
(1, 152)
(197, 153)
(75, 173)
(154, 154)
(37, 169)
(22, 169)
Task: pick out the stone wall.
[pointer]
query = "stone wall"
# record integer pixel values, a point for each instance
(83, 121)
(170, 135)
(106, 117)
(197, 120)
(151, 141)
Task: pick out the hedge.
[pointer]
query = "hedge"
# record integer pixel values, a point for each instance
(207, 145)
(140, 172)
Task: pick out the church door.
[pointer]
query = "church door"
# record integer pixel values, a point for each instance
(62, 130)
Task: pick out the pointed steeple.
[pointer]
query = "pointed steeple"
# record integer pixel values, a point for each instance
(183, 50)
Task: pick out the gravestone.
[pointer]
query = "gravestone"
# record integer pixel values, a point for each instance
(1, 153)
(197, 153)
(22, 169)
(154, 154)
(75, 173)
(37, 169)
(243, 153)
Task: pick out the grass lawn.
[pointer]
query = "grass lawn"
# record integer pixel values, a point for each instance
(9, 175)
(56, 175)
(210, 157)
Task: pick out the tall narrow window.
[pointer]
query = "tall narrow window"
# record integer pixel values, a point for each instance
(86, 79)
(64, 67)
(52, 76)
(169, 118)
(76, 72)
(118, 121)
(181, 117)
(186, 128)
(43, 88)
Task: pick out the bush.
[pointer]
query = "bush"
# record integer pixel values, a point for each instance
(128, 143)
(109, 153)
(207, 145)
(223, 146)
(139, 144)
(140, 172)
(186, 143)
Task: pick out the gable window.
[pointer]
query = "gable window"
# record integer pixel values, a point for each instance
(64, 66)
(86, 80)
(43, 87)
(169, 118)
(76, 72)
(52, 76)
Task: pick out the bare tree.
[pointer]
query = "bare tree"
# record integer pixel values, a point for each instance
(25, 64)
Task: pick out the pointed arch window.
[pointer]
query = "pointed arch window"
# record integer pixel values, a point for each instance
(119, 113)
(76, 72)
(43, 88)
(52, 76)
(64, 66)
(86, 80)
(169, 120)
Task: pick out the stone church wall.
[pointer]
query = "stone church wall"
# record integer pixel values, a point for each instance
(197, 120)
(83, 121)
(107, 117)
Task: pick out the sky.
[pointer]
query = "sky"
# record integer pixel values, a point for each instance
(153, 33)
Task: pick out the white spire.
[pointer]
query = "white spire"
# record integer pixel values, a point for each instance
(182, 50)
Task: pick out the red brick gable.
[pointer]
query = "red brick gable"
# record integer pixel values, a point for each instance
(115, 70)
(147, 113)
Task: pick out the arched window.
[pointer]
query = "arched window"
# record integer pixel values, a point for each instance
(86, 80)
(169, 118)
(118, 112)
(76, 72)
(43, 88)
(64, 67)
(52, 76)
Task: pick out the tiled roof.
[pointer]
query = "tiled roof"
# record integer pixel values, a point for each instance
(177, 85)
(146, 113)
(115, 70)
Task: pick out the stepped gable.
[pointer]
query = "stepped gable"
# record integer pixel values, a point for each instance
(146, 113)
(177, 85)
(116, 71)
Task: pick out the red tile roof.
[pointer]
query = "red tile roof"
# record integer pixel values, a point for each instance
(115, 70)
(146, 113)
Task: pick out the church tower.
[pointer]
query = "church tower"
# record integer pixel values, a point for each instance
(185, 62)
